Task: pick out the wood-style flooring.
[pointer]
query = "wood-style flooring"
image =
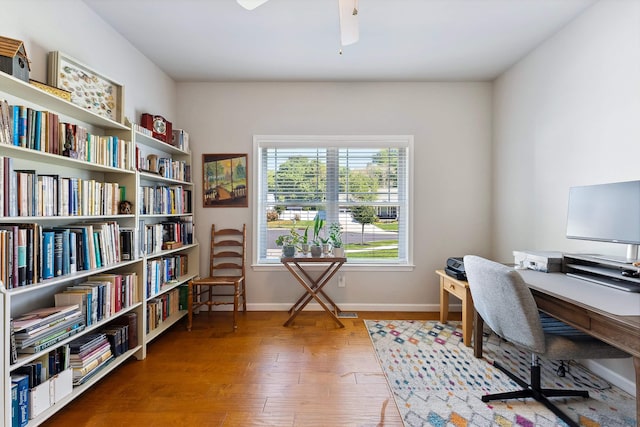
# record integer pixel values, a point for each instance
(310, 374)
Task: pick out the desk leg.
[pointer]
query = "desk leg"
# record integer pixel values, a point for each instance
(636, 364)
(478, 327)
(467, 318)
(444, 303)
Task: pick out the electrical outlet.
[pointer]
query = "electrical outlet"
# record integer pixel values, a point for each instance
(342, 281)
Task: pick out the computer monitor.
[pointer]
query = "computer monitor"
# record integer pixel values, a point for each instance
(606, 213)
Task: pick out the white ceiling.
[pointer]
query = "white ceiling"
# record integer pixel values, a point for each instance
(299, 40)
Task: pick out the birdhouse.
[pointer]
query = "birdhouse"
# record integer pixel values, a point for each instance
(13, 58)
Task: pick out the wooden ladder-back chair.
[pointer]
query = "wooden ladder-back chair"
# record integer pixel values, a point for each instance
(227, 259)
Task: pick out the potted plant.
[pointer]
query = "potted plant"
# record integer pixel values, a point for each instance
(326, 245)
(288, 243)
(316, 248)
(304, 242)
(335, 235)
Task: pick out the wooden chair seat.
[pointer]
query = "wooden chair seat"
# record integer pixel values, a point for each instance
(227, 259)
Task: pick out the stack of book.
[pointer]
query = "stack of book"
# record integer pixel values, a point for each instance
(40, 329)
(89, 354)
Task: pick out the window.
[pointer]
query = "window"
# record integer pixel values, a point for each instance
(360, 182)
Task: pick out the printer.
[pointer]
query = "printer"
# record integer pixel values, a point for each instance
(455, 268)
(544, 261)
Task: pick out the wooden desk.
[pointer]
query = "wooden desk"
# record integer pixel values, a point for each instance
(579, 303)
(459, 288)
(313, 287)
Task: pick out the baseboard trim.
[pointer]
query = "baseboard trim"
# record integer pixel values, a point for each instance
(610, 376)
(353, 307)
(346, 307)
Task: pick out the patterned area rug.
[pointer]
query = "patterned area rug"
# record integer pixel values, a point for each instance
(436, 381)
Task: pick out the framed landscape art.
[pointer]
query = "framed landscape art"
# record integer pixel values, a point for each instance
(224, 181)
(88, 88)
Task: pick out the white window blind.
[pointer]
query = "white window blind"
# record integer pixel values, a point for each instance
(361, 182)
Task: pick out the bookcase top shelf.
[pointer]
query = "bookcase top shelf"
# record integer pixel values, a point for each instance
(20, 89)
(152, 142)
(147, 176)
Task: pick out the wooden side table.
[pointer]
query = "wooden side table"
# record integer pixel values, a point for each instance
(313, 287)
(459, 288)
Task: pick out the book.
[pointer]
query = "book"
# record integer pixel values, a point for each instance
(57, 253)
(64, 255)
(51, 335)
(6, 122)
(127, 249)
(22, 391)
(87, 341)
(13, 351)
(34, 335)
(22, 256)
(115, 337)
(73, 263)
(92, 300)
(70, 298)
(113, 284)
(131, 320)
(22, 126)
(48, 254)
(50, 343)
(15, 409)
(41, 316)
(33, 255)
(89, 354)
(9, 257)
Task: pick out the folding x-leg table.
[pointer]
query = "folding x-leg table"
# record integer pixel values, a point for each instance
(313, 287)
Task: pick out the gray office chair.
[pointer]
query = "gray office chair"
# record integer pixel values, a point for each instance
(505, 303)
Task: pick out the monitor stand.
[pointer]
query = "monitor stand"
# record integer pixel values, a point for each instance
(632, 256)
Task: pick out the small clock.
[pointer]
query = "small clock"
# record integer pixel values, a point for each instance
(158, 125)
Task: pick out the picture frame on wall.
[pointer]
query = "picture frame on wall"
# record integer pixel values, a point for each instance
(89, 89)
(225, 182)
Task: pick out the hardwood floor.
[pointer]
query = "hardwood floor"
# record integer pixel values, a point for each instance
(310, 374)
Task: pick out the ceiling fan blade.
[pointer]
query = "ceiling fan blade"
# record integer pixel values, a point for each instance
(251, 4)
(349, 30)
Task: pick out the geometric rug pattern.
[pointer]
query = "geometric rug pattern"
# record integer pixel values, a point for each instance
(436, 381)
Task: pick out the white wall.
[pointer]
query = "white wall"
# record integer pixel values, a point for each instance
(71, 27)
(451, 123)
(568, 114)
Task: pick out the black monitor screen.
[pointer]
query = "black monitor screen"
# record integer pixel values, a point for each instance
(605, 212)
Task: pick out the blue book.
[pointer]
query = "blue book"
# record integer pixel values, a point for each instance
(47, 254)
(65, 256)
(57, 254)
(15, 410)
(84, 255)
(15, 121)
(22, 126)
(38, 125)
(22, 382)
(98, 248)
(73, 263)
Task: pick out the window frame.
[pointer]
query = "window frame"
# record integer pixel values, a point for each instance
(322, 141)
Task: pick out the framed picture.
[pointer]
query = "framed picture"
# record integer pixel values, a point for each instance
(88, 88)
(224, 181)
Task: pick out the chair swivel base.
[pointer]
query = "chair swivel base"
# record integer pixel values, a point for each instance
(534, 391)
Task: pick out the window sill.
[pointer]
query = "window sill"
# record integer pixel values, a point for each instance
(348, 266)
